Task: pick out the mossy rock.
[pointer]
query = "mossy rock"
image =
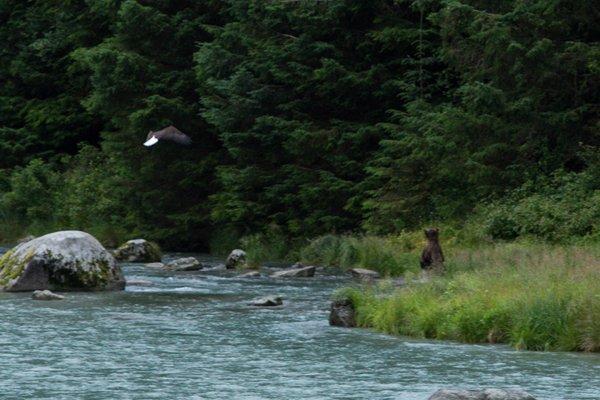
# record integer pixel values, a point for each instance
(138, 250)
(66, 260)
(236, 259)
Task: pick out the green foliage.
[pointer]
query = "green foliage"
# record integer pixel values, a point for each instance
(315, 117)
(261, 247)
(285, 84)
(564, 208)
(530, 296)
(391, 256)
(522, 103)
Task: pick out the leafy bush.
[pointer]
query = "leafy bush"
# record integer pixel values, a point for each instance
(566, 207)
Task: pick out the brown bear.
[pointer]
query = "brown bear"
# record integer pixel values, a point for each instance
(432, 257)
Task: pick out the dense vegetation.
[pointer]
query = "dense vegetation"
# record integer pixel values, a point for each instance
(535, 297)
(308, 117)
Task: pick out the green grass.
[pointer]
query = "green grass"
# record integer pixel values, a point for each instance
(391, 256)
(531, 296)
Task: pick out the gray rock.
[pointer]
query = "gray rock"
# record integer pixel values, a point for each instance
(155, 265)
(269, 301)
(342, 313)
(66, 260)
(304, 272)
(364, 274)
(46, 295)
(138, 250)
(484, 394)
(185, 264)
(251, 274)
(399, 282)
(236, 259)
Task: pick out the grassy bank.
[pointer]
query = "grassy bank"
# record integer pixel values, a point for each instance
(531, 296)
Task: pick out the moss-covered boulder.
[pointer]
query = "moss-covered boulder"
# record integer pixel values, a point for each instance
(138, 250)
(66, 260)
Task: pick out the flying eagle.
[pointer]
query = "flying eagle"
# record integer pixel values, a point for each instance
(169, 133)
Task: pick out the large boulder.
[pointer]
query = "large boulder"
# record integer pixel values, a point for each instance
(236, 259)
(138, 250)
(66, 260)
(185, 264)
(304, 272)
(342, 313)
(484, 394)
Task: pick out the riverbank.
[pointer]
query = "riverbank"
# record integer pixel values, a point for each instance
(531, 296)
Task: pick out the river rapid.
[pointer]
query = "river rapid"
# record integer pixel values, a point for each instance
(191, 335)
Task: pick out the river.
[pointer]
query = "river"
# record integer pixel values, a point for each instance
(191, 335)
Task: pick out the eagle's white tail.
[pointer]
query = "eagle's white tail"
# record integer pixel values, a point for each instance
(152, 141)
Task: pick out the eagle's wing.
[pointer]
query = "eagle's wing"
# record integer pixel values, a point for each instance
(173, 134)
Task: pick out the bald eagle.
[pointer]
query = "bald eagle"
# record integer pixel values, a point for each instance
(169, 133)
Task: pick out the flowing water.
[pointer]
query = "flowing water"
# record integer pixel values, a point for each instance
(191, 335)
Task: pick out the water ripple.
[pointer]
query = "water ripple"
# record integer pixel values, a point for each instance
(192, 336)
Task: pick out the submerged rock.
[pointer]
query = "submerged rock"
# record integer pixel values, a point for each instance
(46, 295)
(484, 394)
(66, 260)
(304, 272)
(155, 265)
(251, 274)
(364, 274)
(138, 282)
(138, 250)
(269, 301)
(236, 259)
(342, 313)
(185, 264)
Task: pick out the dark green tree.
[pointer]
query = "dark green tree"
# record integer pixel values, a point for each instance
(296, 91)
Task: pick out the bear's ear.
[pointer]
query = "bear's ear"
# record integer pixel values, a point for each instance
(437, 230)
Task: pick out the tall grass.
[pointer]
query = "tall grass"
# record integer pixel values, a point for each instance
(535, 297)
(391, 256)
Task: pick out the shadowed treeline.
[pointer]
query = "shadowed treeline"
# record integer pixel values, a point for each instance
(307, 118)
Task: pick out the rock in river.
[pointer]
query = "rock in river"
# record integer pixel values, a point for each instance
(155, 265)
(46, 295)
(270, 301)
(66, 260)
(342, 313)
(364, 274)
(485, 394)
(185, 264)
(251, 274)
(295, 273)
(138, 250)
(236, 259)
